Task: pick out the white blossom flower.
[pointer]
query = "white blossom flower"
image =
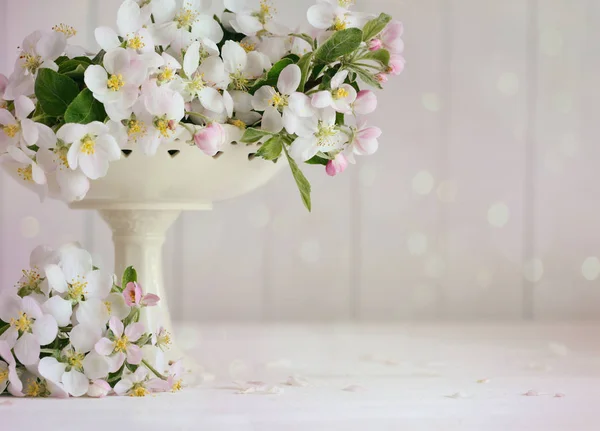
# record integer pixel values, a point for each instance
(78, 364)
(117, 84)
(9, 378)
(134, 384)
(180, 22)
(317, 133)
(73, 183)
(92, 147)
(39, 50)
(120, 344)
(78, 284)
(282, 106)
(131, 20)
(334, 15)
(29, 327)
(168, 71)
(21, 131)
(340, 97)
(36, 386)
(241, 66)
(364, 141)
(250, 20)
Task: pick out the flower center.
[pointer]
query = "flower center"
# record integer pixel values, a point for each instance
(88, 145)
(26, 173)
(11, 130)
(340, 93)
(135, 42)
(164, 127)
(29, 283)
(345, 3)
(166, 75)
(121, 344)
(32, 62)
(36, 389)
(340, 24)
(61, 156)
(197, 83)
(3, 376)
(239, 124)
(186, 17)
(325, 134)
(248, 46)
(23, 323)
(108, 306)
(135, 129)
(278, 101)
(75, 360)
(138, 391)
(76, 290)
(65, 29)
(164, 339)
(115, 82)
(266, 12)
(239, 81)
(177, 386)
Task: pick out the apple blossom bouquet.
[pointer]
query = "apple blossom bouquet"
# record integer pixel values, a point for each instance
(68, 329)
(172, 73)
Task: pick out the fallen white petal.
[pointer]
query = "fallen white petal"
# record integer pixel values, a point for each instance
(483, 381)
(296, 381)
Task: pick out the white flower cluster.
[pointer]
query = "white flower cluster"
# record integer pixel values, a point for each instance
(171, 72)
(67, 329)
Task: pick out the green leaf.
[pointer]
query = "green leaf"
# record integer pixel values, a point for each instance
(271, 150)
(99, 58)
(305, 37)
(339, 118)
(366, 77)
(130, 275)
(304, 65)
(61, 59)
(85, 109)
(293, 57)
(341, 43)
(317, 160)
(375, 26)
(251, 135)
(74, 68)
(55, 92)
(382, 56)
(301, 181)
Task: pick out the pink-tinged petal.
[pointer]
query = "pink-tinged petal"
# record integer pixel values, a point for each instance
(397, 63)
(336, 166)
(369, 133)
(365, 103)
(322, 99)
(150, 300)
(134, 331)
(158, 385)
(116, 361)
(98, 389)
(375, 45)
(31, 307)
(123, 387)
(210, 139)
(129, 294)
(134, 354)
(45, 329)
(27, 349)
(365, 147)
(138, 293)
(116, 326)
(104, 347)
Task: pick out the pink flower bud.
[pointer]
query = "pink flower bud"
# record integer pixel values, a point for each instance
(132, 294)
(375, 45)
(397, 63)
(98, 389)
(381, 77)
(210, 139)
(366, 102)
(336, 166)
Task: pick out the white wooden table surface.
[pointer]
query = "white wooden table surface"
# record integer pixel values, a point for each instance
(400, 376)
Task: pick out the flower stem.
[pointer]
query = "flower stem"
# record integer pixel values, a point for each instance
(51, 351)
(197, 114)
(4, 328)
(151, 368)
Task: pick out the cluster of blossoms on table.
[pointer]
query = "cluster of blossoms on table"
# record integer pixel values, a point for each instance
(173, 74)
(67, 329)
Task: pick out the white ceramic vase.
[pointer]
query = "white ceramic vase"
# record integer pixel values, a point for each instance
(142, 196)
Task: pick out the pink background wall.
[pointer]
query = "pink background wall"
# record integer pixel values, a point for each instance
(482, 202)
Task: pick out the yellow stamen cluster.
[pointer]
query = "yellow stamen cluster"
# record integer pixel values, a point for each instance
(163, 127)
(166, 75)
(135, 129)
(177, 386)
(248, 46)
(36, 389)
(31, 278)
(3, 376)
(26, 174)
(239, 124)
(88, 145)
(267, 12)
(115, 82)
(340, 93)
(186, 17)
(139, 391)
(239, 81)
(121, 344)
(278, 101)
(76, 290)
(340, 24)
(23, 323)
(163, 339)
(325, 134)
(11, 130)
(345, 3)
(31, 63)
(108, 305)
(61, 157)
(197, 83)
(75, 360)
(135, 42)
(65, 29)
